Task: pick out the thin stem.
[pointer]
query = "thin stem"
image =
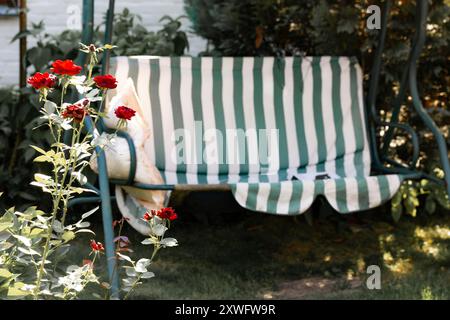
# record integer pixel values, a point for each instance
(56, 202)
(132, 287)
(85, 282)
(72, 159)
(116, 266)
(47, 244)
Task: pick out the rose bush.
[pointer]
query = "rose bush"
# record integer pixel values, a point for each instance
(33, 242)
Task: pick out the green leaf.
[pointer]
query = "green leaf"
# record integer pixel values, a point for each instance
(38, 149)
(430, 205)
(4, 273)
(169, 242)
(83, 224)
(5, 225)
(396, 212)
(81, 190)
(24, 240)
(410, 206)
(130, 271)
(21, 34)
(142, 264)
(42, 178)
(124, 257)
(159, 230)
(80, 177)
(397, 199)
(442, 198)
(90, 212)
(50, 106)
(68, 235)
(36, 232)
(149, 241)
(42, 159)
(39, 57)
(147, 275)
(28, 251)
(15, 292)
(5, 245)
(85, 231)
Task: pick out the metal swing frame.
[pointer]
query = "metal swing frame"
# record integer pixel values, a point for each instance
(379, 155)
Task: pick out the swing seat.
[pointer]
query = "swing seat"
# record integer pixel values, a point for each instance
(277, 131)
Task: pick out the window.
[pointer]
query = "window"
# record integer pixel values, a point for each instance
(9, 7)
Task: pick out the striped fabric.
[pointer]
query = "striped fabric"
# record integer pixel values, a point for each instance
(308, 110)
(293, 197)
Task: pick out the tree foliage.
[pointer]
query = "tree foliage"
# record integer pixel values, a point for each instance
(132, 38)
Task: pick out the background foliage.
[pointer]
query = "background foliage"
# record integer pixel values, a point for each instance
(338, 27)
(132, 38)
(257, 27)
(19, 108)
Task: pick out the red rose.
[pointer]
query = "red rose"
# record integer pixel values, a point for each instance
(42, 81)
(66, 67)
(167, 213)
(97, 246)
(147, 216)
(75, 111)
(106, 82)
(125, 113)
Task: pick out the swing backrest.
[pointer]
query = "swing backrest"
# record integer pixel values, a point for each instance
(314, 105)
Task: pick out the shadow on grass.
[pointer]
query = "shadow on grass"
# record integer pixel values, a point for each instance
(228, 253)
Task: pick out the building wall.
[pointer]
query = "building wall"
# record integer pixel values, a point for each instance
(63, 14)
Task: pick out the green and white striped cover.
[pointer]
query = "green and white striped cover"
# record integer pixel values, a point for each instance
(314, 103)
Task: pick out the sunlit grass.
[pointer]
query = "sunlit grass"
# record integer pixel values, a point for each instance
(249, 255)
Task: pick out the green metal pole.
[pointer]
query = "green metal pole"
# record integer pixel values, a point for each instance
(106, 216)
(399, 99)
(104, 181)
(87, 32)
(422, 12)
(373, 86)
(108, 35)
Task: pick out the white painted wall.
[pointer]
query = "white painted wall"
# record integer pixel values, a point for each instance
(62, 14)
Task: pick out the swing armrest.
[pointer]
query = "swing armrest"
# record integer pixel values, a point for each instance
(414, 141)
(132, 148)
(122, 134)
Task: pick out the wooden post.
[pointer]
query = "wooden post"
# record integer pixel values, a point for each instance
(22, 43)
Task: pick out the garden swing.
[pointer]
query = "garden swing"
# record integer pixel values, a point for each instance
(325, 129)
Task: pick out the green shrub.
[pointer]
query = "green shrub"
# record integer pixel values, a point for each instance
(19, 108)
(17, 119)
(132, 38)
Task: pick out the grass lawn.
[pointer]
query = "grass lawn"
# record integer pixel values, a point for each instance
(236, 254)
